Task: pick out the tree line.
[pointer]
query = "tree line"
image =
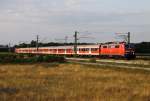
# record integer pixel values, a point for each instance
(143, 47)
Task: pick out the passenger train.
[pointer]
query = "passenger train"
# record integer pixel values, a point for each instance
(114, 49)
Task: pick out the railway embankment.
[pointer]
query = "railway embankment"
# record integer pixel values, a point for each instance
(130, 64)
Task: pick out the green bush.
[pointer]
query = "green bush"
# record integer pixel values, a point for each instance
(39, 58)
(47, 58)
(29, 58)
(53, 58)
(6, 58)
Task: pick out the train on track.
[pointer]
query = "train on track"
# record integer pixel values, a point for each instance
(113, 49)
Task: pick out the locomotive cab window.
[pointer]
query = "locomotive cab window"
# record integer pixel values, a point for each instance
(129, 46)
(117, 46)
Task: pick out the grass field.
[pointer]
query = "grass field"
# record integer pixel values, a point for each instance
(72, 82)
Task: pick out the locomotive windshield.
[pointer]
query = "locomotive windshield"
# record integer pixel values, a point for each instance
(129, 46)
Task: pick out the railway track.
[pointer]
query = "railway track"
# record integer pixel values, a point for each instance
(142, 56)
(132, 64)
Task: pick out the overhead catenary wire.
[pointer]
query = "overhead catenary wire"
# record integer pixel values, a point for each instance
(124, 36)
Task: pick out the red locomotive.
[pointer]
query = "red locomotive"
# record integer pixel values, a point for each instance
(102, 50)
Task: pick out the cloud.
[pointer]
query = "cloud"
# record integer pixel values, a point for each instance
(71, 3)
(21, 18)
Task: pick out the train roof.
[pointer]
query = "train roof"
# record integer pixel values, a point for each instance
(78, 46)
(64, 47)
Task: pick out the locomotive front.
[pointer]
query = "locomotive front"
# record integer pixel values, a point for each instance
(129, 51)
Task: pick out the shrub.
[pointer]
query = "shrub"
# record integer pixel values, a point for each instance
(52, 58)
(29, 58)
(47, 58)
(6, 58)
(39, 58)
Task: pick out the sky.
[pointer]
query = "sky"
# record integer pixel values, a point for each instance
(22, 20)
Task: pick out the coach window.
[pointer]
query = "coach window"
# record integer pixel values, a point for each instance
(61, 50)
(87, 49)
(94, 49)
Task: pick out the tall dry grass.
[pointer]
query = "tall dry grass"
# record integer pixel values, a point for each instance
(72, 82)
